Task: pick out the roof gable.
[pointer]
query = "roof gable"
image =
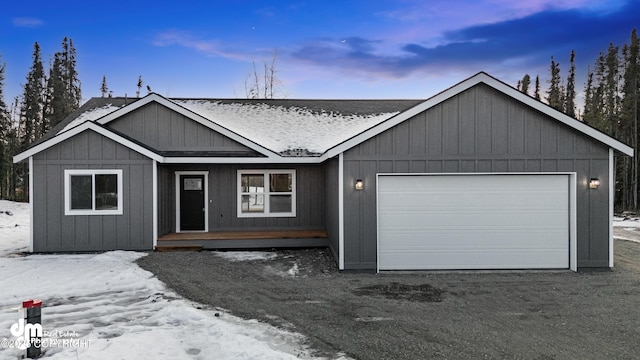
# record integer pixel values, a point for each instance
(167, 131)
(153, 97)
(497, 85)
(87, 125)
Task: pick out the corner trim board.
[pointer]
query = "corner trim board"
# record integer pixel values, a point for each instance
(612, 186)
(155, 204)
(341, 211)
(30, 203)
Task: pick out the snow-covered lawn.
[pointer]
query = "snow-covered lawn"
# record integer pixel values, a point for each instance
(626, 222)
(109, 308)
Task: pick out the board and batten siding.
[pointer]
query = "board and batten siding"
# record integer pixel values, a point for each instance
(223, 198)
(478, 130)
(332, 205)
(166, 200)
(166, 130)
(54, 231)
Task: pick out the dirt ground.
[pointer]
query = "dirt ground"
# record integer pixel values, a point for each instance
(423, 315)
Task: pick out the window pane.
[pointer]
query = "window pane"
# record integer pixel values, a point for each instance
(106, 192)
(81, 192)
(252, 203)
(280, 203)
(252, 183)
(280, 182)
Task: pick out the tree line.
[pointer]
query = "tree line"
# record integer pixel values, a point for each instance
(611, 96)
(47, 98)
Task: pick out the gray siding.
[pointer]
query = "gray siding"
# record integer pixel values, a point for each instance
(54, 231)
(310, 199)
(166, 201)
(166, 130)
(332, 205)
(479, 130)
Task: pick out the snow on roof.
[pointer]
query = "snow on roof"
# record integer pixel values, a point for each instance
(90, 115)
(288, 130)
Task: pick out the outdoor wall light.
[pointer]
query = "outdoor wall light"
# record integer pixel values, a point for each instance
(594, 183)
(359, 184)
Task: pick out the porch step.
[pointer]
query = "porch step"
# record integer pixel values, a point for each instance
(245, 235)
(166, 248)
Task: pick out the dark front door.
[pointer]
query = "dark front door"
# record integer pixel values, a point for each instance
(192, 202)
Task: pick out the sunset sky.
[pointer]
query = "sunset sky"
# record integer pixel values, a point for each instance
(326, 49)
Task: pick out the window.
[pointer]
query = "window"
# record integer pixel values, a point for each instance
(93, 192)
(266, 193)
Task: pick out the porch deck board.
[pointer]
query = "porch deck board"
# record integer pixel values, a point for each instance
(245, 235)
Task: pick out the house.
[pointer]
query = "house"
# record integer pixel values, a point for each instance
(479, 176)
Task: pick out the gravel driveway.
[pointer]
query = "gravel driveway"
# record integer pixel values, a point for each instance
(495, 315)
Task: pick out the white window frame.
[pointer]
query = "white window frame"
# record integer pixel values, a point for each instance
(267, 193)
(91, 172)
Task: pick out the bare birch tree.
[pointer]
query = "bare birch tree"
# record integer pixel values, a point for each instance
(265, 85)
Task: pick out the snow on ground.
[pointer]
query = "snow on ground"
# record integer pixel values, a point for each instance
(246, 255)
(14, 227)
(626, 222)
(106, 307)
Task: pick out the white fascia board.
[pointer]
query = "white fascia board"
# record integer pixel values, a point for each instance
(87, 125)
(464, 85)
(191, 115)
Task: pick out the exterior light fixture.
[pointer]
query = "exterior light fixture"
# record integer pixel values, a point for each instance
(359, 184)
(594, 183)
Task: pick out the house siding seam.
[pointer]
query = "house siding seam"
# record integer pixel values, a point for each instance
(478, 130)
(54, 231)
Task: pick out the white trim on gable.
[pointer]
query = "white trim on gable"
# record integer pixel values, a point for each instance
(153, 97)
(87, 125)
(467, 84)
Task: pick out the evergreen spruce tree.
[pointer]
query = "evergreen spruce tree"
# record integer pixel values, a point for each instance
(536, 93)
(588, 98)
(139, 85)
(5, 126)
(630, 113)
(104, 89)
(30, 118)
(63, 86)
(524, 84)
(554, 94)
(32, 100)
(570, 97)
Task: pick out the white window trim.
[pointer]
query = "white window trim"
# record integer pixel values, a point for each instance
(91, 172)
(267, 193)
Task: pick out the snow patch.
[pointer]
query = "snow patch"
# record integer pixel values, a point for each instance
(90, 115)
(246, 255)
(626, 222)
(14, 227)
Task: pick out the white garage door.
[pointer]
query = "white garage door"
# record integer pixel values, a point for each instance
(473, 221)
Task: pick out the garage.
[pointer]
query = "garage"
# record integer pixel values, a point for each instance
(475, 221)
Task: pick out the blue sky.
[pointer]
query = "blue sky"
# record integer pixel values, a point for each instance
(327, 49)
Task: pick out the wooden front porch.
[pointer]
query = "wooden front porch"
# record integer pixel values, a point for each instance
(195, 241)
